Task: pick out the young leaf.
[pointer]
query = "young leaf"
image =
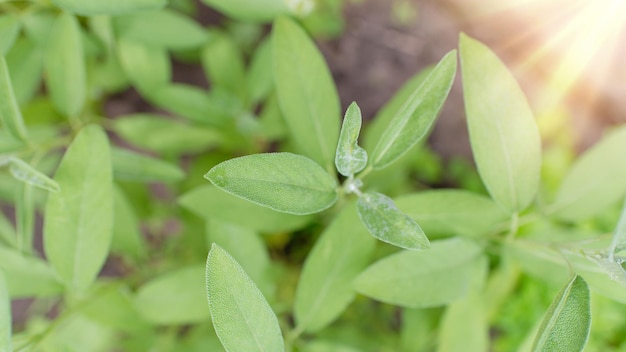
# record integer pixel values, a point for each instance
(148, 67)
(401, 278)
(259, 79)
(79, 218)
(350, 158)
(503, 134)
(10, 114)
(464, 326)
(28, 174)
(595, 181)
(9, 29)
(109, 7)
(242, 318)
(210, 202)
(65, 66)
(250, 10)
(619, 236)
(131, 166)
(25, 62)
(306, 92)
(325, 286)
(176, 297)
(127, 237)
(417, 116)
(5, 316)
(224, 65)
(452, 212)
(566, 324)
(284, 182)
(27, 276)
(163, 29)
(385, 222)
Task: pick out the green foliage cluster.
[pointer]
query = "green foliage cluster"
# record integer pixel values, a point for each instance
(316, 241)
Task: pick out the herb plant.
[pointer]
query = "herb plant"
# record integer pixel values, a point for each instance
(318, 238)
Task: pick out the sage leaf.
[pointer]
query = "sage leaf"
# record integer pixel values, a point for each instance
(350, 158)
(452, 212)
(210, 202)
(595, 181)
(259, 79)
(25, 217)
(224, 65)
(416, 117)
(131, 166)
(504, 137)
(147, 67)
(618, 243)
(567, 322)
(464, 326)
(28, 174)
(387, 223)
(111, 304)
(242, 318)
(8, 236)
(127, 238)
(28, 276)
(176, 297)
(5, 316)
(9, 30)
(79, 218)
(250, 10)
(284, 182)
(65, 66)
(401, 278)
(109, 7)
(161, 28)
(306, 92)
(325, 286)
(10, 114)
(25, 62)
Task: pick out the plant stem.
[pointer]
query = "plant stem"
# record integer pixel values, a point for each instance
(514, 227)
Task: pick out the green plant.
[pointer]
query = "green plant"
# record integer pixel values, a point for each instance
(324, 244)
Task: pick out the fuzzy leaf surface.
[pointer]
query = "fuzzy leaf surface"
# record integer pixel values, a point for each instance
(109, 7)
(350, 158)
(567, 322)
(306, 92)
(503, 133)
(28, 174)
(284, 182)
(65, 66)
(400, 278)
(79, 218)
(595, 181)
(387, 223)
(418, 114)
(325, 286)
(242, 318)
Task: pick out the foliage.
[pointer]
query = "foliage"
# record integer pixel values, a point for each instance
(316, 241)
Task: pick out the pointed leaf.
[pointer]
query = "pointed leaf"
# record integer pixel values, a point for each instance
(418, 114)
(566, 324)
(163, 28)
(452, 212)
(109, 7)
(242, 318)
(306, 92)
(25, 61)
(350, 158)
(422, 279)
(224, 65)
(503, 133)
(595, 181)
(79, 218)
(284, 182)
(250, 10)
(176, 297)
(28, 276)
(210, 202)
(10, 114)
(9, 29)
(65, 66)
(385, 222)
(325, 286)
(28, 174)
(131, 166)
(5, 317)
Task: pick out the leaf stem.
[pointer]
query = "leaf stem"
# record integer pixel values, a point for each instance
(365, 172)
